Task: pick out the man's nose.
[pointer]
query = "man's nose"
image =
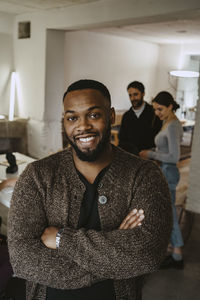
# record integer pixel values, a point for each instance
(84, 124)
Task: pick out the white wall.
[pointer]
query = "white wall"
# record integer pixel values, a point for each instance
(115, 61)
(178, 57)
(30, 58)
(6, 60)
(193, 195)
(44, 135)
(6, 66)
(170, 58)
(54, 86)
(6, 23)
(30, 54)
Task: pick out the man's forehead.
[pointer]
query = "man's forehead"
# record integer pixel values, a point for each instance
(133, 90)
(85, 96)
(84, 92)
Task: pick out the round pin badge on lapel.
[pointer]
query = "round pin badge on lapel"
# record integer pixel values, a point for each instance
(103, 199)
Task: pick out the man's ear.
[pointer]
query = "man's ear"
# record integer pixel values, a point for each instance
(112, 115)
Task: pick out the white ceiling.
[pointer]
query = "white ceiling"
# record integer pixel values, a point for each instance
(26, 6)
(182, 30)
(173, 32)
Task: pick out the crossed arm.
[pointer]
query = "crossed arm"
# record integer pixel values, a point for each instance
(84, 256)
(133, 219)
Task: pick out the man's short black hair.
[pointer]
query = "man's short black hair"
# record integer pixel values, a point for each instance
(136, 85)
(89, 84)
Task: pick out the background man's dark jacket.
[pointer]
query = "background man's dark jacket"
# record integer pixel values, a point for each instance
(137, 134)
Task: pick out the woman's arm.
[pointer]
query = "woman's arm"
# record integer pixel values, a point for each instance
(7, 182)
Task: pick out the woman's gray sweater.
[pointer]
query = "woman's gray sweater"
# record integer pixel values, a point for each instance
(168, 143)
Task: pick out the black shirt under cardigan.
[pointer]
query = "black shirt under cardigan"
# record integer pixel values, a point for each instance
(89, 219)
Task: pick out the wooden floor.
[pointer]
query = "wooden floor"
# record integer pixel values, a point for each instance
(175, 284)
(184, 284)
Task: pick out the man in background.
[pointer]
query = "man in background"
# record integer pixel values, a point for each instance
(139, 124)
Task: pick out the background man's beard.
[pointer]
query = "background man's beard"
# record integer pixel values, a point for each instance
(93, 155)
(137, 104)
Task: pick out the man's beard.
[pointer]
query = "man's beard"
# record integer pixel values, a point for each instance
(137, 104)
(93, 155)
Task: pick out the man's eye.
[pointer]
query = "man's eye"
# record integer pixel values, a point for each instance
(94, 115)
(71, 119)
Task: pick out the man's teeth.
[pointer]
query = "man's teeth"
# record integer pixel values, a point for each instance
(85, 140)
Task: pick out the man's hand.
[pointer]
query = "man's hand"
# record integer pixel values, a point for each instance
(144, 154)
(49, 237)
(133, 219)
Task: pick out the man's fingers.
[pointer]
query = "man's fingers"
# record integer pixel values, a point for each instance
(132, 213)
(136, 222)
(133, 219)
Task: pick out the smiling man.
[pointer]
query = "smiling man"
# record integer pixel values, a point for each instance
(76, 224)
(92, 137)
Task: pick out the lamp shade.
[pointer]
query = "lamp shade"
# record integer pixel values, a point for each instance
(184, 73)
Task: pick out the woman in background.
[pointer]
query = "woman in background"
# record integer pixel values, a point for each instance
(167, 152)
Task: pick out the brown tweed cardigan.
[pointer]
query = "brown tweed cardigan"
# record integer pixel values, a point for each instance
(49, 192)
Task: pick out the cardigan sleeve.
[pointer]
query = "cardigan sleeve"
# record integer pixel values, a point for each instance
(30, 259)
(121, 254)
